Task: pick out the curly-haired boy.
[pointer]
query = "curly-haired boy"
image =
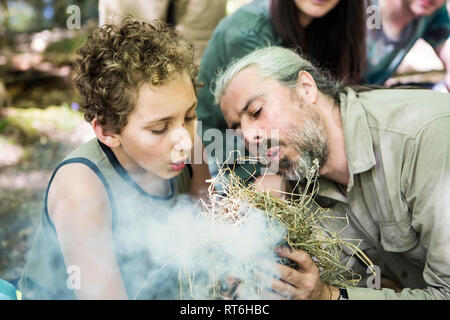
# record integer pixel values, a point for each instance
(137, 82)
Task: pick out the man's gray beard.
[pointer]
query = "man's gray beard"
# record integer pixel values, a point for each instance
(311, 142)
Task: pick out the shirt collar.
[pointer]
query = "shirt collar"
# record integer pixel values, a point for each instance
(357, 135)
(358, 143)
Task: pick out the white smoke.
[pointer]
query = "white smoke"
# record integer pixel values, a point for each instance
(211, 248)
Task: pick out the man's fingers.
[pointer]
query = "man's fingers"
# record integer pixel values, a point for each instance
(300, 257)
(280, 271)
(270, 295)
(281, 288)
(288, 274)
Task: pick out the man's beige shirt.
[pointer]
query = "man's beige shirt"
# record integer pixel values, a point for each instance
(398, 197)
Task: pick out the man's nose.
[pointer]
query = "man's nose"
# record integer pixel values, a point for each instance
(252, 133)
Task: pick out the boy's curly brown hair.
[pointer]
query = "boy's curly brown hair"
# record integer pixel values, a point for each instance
(116, 60)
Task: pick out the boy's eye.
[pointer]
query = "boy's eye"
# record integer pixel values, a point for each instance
(162, 131)
(191, 118)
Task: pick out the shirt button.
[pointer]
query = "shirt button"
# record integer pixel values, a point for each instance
(404, 274)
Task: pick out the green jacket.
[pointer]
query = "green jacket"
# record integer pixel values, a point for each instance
(398, 149)
(237, 35)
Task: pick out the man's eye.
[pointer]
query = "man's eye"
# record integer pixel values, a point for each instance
(257, 113)
(159, 132)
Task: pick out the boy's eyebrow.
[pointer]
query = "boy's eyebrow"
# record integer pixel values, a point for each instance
(193, 105)
(170, 117)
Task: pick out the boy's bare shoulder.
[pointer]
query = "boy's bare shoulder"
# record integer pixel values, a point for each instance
(78, 193)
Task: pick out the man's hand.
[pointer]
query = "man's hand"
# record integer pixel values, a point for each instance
(304, 283)
(301, 284)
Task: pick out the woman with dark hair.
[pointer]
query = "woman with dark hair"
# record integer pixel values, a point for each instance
(331, 33)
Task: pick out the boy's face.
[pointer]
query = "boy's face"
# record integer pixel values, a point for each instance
(158, 136)
(424, 7)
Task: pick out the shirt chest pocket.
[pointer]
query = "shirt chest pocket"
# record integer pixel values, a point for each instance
(398, 236)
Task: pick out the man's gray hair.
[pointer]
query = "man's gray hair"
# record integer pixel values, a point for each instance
(280, 64)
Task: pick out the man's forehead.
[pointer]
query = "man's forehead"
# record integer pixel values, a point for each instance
(242, 85)
(248, 75)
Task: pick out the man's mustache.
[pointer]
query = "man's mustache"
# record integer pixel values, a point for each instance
(268, 143)
(265, 161)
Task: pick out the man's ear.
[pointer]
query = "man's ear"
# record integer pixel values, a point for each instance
(306, 87)
(110, 139)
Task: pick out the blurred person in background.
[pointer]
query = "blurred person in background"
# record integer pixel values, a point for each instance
(329, 32)
(403, 22)
(195, 19)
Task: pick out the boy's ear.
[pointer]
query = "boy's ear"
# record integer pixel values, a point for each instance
(110, 139)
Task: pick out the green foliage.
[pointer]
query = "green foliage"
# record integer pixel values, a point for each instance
(41, 92)
(64, 52)
(29, 15)
(18, 132)
(68, 45)
(3, 124)
(27, 126)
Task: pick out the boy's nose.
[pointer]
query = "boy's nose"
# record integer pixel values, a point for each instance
(182, 139)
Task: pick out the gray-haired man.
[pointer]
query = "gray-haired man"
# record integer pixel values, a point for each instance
(384, 160)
